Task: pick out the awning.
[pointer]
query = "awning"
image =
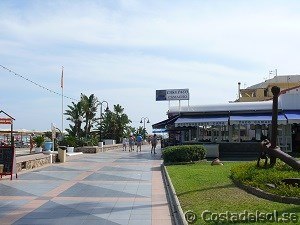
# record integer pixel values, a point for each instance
(293, 116)
(256, 119)
(158, 131)
(164, 123)
(201, 121)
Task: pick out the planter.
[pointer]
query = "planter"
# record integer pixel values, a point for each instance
(38, 149)
(48, 146)
(70, 149)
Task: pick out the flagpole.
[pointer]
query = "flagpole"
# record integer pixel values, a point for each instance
(62, 100)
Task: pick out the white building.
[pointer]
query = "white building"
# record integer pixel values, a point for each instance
(238, 122)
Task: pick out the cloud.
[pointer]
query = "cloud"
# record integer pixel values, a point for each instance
(124, 50)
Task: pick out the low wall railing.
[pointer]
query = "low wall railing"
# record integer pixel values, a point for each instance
(28, 162)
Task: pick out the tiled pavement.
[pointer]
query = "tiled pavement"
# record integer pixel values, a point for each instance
(108, 188)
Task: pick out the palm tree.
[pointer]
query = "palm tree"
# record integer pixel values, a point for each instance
(129, 130)
(115, 124)
(121, 120)
(141, 131)
(75, 113)
(89, 105)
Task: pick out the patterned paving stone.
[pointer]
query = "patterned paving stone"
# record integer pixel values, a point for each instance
(11, 191)
(56, 168)
(137, 175)
(37, 176)
(111, 188)
(118, 169)
(63, 175)
(94, 160)
(7, 206)
(85, 190)
(108, 177)
(32, 188)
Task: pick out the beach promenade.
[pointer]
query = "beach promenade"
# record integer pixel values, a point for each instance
(110, 188)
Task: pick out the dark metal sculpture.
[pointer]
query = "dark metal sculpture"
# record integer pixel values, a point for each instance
(270, 149)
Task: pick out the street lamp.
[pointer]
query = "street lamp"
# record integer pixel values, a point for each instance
(144, 118)
(106, 110)
(80, 120)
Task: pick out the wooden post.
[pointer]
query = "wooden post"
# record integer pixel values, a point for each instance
(275, 90)
(271, 148)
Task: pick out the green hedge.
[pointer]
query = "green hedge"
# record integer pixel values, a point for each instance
(183, 153)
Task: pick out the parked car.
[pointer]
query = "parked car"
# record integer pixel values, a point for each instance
(18, 144)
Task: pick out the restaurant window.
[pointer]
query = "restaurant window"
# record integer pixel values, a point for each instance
(194, 134)
(186, 135)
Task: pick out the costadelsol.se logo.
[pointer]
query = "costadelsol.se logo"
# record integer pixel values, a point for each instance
(190, 217)
(245, 216)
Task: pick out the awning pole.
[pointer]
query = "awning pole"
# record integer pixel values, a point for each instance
(239, 133)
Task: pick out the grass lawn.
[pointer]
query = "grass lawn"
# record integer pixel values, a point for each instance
(201, 187)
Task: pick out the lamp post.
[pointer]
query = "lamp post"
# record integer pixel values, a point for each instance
(78, 128)
(106, 110)
(144, 119)
(53, 130)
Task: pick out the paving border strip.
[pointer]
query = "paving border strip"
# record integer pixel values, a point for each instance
(268, 196)
(176, 210)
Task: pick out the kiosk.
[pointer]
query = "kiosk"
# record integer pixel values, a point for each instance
(7, 151)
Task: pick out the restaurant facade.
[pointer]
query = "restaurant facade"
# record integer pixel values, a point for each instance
(236, 124)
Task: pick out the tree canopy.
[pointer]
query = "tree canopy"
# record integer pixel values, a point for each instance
(113, 124)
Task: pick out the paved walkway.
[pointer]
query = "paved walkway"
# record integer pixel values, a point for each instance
(108, 188)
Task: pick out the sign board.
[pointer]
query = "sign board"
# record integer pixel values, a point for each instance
(172, 94)
(53, 130)
(5, 121)
(7, 153)
(7, 159)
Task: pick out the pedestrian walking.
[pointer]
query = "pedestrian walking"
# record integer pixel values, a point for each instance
(125, 143)
(149, 140)
(153, 143)
(139, 141)
(31, 143)
(131, 143)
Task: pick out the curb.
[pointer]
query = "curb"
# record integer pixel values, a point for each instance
(268, 196)
(175, 208)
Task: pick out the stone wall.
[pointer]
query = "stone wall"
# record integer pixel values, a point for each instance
(28, 162)
(111, 147)
(87, 149)
(32, 161)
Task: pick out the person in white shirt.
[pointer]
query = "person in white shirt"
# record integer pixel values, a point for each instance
(125, 143)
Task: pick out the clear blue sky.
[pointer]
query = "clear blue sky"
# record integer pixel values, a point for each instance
(123, 50)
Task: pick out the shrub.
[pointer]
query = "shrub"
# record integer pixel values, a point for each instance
(183, 153)
(69, 141)
(90, 141)
(39, 140)
(72, 141)
(249, 174)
